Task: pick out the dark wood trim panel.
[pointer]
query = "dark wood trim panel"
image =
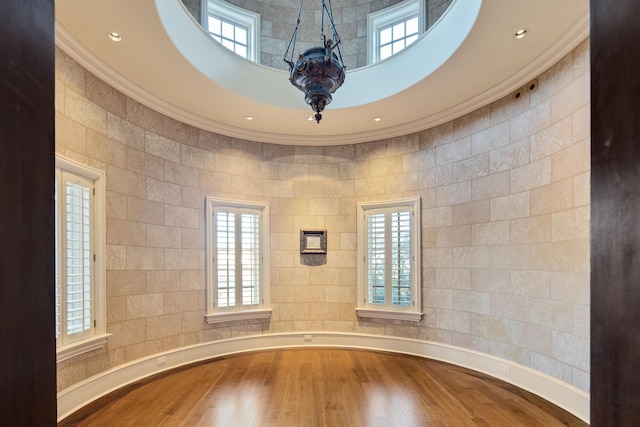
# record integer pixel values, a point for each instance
(27, 341)
(615, 213)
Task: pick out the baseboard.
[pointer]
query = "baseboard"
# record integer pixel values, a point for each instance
(555, 391)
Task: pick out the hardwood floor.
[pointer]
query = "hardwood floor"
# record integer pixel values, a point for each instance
(321, 387)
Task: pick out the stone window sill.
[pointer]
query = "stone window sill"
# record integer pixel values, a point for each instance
(238, 315)
(389, 315)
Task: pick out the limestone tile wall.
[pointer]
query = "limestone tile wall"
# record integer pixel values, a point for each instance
(505, 210)
(193, 6)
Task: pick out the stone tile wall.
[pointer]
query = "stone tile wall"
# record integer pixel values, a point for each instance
(193, 6)
(505, 209)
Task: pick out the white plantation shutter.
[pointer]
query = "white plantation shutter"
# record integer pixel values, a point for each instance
(400, 249)
(389, 257)
(74, 257)
(388, 253)
(250, 258)
(237, 260)
(58, 261)
(78, 221)
(376, 258)
(237, 257)
(226, 258)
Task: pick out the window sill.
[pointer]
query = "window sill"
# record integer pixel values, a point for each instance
(238, 315)
(389, 315)
(72, 350)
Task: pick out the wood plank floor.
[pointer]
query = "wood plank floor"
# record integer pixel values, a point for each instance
(321, 387)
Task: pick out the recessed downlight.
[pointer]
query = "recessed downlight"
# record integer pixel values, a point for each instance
(116, 37)
(249, 118)
(521, 33)
(377, 119)
(310, 118)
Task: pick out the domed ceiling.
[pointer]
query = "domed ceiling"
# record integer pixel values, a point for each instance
(468, 59)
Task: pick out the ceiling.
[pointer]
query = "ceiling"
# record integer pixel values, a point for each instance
(467, 60)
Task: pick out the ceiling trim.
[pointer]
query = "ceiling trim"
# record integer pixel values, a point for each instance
(554, 53)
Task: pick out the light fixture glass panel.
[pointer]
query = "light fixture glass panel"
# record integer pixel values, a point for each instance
(385, 36)
(412, 26)
(398, 31)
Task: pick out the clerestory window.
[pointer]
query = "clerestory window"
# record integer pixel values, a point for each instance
(392, 29)
(235, 28)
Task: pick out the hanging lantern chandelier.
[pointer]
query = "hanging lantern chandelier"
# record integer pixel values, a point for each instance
(318, 71)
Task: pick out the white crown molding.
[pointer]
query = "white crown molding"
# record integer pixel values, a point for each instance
(555, 391)
(561, 47)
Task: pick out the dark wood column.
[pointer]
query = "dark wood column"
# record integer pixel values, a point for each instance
(27, 342)
(615, 213)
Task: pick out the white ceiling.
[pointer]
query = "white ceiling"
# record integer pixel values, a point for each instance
(469, 59)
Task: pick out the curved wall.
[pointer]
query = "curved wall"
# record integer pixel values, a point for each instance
(505, 205)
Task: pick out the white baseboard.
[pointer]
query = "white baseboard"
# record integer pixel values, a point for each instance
(555, 391)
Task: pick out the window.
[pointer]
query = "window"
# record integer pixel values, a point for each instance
(392, 29)
(237, 29)
(79, 261)
(396, 37)
(237, 260)
(389, 260)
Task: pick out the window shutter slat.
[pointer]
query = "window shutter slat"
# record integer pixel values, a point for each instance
(250, 259)
(78, 257)
(226, 253)
(401, 258)
(376, 258)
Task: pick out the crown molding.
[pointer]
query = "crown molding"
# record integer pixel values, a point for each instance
(560, 48)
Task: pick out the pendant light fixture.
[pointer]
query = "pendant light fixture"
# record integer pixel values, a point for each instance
(318, 71)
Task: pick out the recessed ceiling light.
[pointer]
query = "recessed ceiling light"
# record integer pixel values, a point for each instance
(377, 119)
(249, 118)
(520, 33)
(310, 118)
(114, 36)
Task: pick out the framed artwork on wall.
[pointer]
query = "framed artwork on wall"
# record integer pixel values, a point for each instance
(313, 241)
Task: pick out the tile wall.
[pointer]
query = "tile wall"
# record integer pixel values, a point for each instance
(505, 212)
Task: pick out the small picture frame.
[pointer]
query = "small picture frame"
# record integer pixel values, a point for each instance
(313, 241)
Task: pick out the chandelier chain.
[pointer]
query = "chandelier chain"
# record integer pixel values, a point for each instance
(294, 36)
